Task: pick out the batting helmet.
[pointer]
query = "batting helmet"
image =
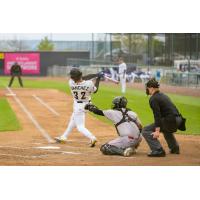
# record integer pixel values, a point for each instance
(75, 74)
(152, 83)
(119, 102)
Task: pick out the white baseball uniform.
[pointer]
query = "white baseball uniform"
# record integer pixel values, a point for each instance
(129, 134)
(122, 76)
(81, 93)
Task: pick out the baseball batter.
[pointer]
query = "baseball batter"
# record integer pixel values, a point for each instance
(81, 91)
(122, 74)
(127, 124)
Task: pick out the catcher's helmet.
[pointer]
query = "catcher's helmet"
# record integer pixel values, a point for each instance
(75, 74)
(152, 83)
(119, 102)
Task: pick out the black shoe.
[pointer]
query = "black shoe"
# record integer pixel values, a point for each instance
(175, 150)
(157, 153)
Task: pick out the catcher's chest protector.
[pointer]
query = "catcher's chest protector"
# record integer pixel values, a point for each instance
(125, 118)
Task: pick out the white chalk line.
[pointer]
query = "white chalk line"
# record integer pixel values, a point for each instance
(46, 105)
(47, 150)
(15, 155)
(30, 116)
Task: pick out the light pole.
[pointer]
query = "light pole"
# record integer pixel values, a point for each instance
(92, 46)
(111, 57)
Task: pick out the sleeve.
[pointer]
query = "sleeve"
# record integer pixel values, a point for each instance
(156, 111)
(136, 118)
(71, 82)
(92, 87)
(110, 114)
(11, 70)
(20, 69)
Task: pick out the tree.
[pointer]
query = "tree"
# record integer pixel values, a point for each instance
(45, 45)
(133, 46)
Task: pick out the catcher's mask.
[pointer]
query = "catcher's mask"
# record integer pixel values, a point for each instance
(119, 102)
(152, 83)
(75, 74)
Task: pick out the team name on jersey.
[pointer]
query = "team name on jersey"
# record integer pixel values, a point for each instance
(79, 87)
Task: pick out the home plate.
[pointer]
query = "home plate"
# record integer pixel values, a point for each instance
(47, 147)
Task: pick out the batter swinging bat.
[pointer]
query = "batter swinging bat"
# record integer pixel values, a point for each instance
(112, 80)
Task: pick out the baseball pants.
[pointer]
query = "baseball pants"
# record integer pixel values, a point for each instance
(78, 120)
(154, 143)
(123, 83)
(125, 142)
(12, 79)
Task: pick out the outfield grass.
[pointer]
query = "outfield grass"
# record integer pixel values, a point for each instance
(138, 101)
(8, 119)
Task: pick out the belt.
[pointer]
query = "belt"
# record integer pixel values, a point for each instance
(83, 101)
(79, 102)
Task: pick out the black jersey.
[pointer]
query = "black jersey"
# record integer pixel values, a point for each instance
(162, 107)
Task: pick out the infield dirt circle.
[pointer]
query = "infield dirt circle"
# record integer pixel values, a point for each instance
(29, 147)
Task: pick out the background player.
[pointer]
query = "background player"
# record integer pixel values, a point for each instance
(122, 74)
(127, 124)
(81, 91)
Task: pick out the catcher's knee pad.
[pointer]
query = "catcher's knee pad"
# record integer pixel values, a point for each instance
(108, 149)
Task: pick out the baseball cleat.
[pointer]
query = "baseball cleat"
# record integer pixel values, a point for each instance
(157, 153)
(129, 152)
(175, 150)
(60, 139)
(92, 143)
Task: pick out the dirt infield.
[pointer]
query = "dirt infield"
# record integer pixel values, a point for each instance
(21, 147)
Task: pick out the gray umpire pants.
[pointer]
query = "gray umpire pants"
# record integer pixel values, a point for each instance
(154, 143)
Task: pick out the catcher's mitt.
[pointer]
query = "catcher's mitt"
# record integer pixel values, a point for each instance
(90, 107)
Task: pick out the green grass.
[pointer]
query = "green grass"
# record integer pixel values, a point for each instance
(138, 101)
(8, 119)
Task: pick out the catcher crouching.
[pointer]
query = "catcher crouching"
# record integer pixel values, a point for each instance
(128, 127)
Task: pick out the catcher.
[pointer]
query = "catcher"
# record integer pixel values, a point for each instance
(127, 124)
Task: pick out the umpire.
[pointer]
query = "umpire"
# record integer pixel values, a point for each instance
(167, 120)
(15, 70)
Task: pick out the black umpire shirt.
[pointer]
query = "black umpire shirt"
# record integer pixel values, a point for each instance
(16, 70)
(162, 108)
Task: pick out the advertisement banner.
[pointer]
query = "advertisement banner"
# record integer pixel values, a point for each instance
(29, 62)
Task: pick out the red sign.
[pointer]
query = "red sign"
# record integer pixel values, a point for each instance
(29, 62)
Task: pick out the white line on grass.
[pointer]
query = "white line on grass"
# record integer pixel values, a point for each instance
(46, 105)
(30, 116)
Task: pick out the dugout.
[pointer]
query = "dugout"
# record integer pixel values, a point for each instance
(36, 63)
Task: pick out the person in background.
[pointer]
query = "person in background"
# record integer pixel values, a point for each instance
(122, 74)
(16, 70)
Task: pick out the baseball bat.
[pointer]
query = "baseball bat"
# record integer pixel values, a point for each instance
(111, 79)
(89, 76)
